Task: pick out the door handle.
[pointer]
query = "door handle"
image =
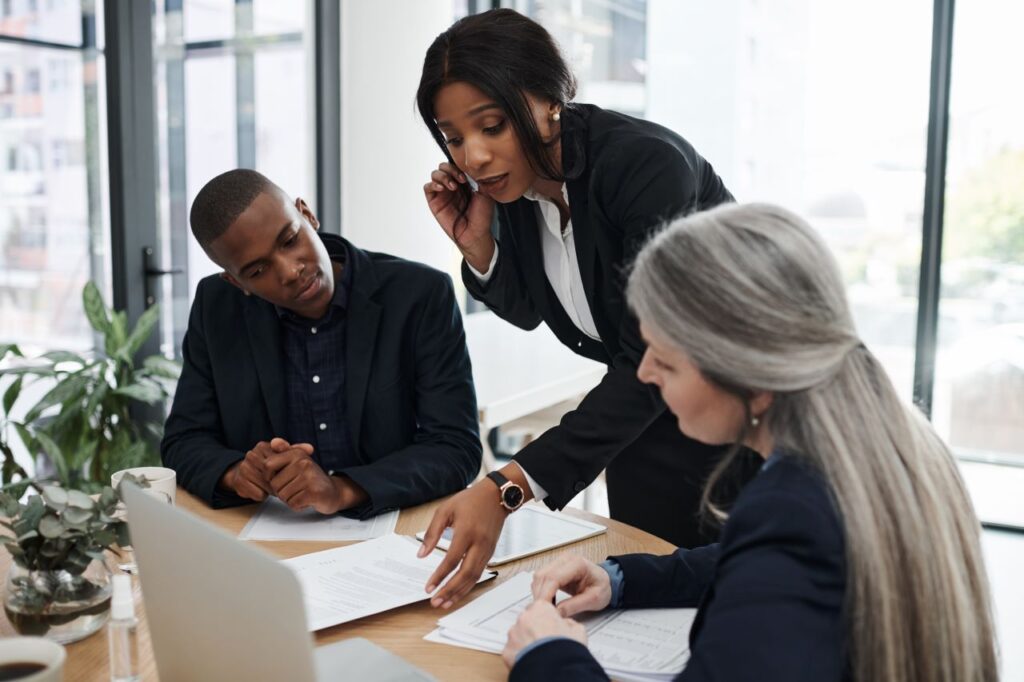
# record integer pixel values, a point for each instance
(150, 270)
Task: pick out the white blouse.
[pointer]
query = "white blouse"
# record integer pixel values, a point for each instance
(560, 264)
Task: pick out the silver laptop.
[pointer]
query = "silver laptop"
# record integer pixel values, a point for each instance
(220, 610)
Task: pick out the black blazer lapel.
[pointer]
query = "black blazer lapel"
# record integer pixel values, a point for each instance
(586, 247)
(264, 329)
(360, 339)
(523, 214)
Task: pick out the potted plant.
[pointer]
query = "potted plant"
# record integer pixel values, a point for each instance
(58, 585)
(84, 425)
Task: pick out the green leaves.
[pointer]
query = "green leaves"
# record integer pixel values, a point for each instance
(143, 328)
(117, 334)
(54, 453)
(50, 527)
(72, 389)
(143, 392)
(58, 356)
(61, 528)
(56, 498)
(95, 311)
(11, 348)
(75, 517)
(159, 366)
(86, 422)
(11, 394)
(10, 507)
(79, 500)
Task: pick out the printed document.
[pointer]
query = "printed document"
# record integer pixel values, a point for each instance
(346, 583)
(274, 520)
(641, 644)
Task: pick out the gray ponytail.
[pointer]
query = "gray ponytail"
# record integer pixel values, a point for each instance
(754, 297)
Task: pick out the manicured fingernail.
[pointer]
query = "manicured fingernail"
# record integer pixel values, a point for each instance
(436, 601)
(430, 588)
(447, 605)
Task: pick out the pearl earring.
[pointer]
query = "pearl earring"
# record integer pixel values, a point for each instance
(754, 422)
(556, 116)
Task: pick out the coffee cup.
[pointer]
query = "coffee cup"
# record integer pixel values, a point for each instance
(31, 659)
(162, 481)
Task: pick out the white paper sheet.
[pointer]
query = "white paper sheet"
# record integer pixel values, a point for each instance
(648, 644)
(275, 521)
(346, 583)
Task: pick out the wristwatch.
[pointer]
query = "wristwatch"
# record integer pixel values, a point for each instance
(511, 494)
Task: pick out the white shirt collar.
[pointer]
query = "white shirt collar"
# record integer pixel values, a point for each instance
(536, 196)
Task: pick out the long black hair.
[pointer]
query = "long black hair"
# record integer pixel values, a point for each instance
(505, 55)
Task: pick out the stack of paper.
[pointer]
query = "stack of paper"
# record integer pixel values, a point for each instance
(274, 520)
(346, 583)
(640, 644)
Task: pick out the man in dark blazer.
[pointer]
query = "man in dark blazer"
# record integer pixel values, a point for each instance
(328, 376)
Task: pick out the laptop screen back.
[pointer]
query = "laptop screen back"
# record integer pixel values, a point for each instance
(216, 608)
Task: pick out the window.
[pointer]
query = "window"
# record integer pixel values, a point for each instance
(53, 233)
(979, 381)
(605, 44)
(233, 90)
(32, 81)
(769, 94)
(59, 22)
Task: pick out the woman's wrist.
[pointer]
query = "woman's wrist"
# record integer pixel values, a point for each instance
(479, 253)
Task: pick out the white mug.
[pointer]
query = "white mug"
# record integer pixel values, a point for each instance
(162, 481)
(35, 650)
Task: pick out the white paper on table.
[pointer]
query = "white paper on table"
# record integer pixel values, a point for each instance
(451, 637)
(274, 520)
(646, 642)
(346, 583)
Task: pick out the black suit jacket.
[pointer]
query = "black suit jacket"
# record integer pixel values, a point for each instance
(625, 177)
(411, 405)
(770, 594)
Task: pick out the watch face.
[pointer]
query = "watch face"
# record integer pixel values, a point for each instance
(513, 496)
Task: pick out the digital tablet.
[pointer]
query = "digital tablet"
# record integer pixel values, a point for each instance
(532, 529)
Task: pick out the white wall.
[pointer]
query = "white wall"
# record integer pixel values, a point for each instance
(387, 153)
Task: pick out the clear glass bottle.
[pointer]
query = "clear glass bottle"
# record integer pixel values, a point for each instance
(122, 633)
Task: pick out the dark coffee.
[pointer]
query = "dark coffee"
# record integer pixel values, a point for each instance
(16, 670)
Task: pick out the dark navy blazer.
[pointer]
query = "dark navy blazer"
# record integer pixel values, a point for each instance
(411, 408)
(770, 594)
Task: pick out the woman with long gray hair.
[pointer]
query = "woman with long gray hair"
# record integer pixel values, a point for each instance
(855, 553)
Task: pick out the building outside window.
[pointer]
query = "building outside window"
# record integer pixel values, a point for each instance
(54, 235)
(770, 93)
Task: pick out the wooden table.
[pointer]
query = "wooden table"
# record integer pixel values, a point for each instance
(400, 630)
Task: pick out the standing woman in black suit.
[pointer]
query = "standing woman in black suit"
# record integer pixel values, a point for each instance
(577, 190)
